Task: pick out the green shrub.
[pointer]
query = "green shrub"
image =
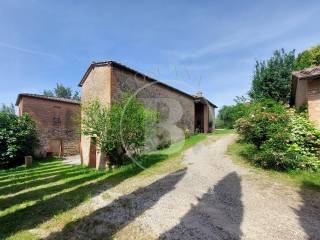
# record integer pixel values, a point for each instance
(228, 115)
(308, 58)
(282, 138)
(120, 130)
(265, 119)
(17, 138)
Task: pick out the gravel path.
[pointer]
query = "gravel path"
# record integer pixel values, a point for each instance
(211, 198)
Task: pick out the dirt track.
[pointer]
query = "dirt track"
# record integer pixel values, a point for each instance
(211, 198)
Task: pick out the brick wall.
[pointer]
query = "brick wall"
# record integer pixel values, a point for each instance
(313, 95)
(56, 123)
(301, 92)
(107, 83)
(162, 99)
(96, 86)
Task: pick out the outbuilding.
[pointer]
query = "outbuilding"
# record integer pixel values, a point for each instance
(306, 92)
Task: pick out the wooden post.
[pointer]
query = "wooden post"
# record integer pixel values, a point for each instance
(28, 161)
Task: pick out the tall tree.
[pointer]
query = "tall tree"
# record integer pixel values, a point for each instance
(8, 109)
(62, 92)
(308, 58)
(272, 78)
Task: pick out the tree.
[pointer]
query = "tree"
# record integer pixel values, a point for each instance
(308, 58)
(62, 92)
(17, 138)
(228, 115)
(119, 130)
(272, 78)
(8, 109)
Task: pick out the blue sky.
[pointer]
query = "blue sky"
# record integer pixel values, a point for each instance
(193, 45)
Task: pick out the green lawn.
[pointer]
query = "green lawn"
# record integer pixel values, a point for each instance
(222, 131)
(31, 197)
(296, 177)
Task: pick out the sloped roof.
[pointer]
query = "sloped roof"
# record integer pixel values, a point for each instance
(65, 100)
(307, 73)
(136, 73)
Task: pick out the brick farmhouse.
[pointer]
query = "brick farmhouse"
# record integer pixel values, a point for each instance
(306, 92)
(57, 123)
(107, 81)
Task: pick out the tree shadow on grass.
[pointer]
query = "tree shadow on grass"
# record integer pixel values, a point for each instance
(20, 185)
(309, 212)
(69, 196)
(11, 189)
(39, 194)
(218, 214)
(106, 221)
(32, 176)
(37, 166)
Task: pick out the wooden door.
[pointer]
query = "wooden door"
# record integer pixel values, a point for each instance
(55, 147)
(92, 154)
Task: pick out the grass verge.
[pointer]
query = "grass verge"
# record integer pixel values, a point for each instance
(222, 131)
(297, 177)
(50, 189)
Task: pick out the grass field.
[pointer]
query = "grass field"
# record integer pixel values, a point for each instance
(33, 196)
(297, 177)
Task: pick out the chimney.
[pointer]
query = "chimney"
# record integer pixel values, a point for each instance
(199, 94)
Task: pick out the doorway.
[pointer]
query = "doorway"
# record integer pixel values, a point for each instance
(93, 153)
(199, 118)
(55, 147)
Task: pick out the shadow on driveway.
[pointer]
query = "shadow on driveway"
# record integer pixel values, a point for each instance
(309, 212)
(218, 214)
(106, 221)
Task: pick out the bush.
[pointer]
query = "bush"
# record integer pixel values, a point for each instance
(283, 139)
(266, 118)
(17, 138)
(228, 115)
(120, 130)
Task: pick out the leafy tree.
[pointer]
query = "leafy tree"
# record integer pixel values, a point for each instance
(121, 129)
(62, 92)
(308, 58)
(76, 96)
(272, 78)
(229, 114)
(17, 138)
(7, 109)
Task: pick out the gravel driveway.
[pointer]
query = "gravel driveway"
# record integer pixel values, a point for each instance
(211, 198)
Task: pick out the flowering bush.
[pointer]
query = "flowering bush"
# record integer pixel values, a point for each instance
(282, 138)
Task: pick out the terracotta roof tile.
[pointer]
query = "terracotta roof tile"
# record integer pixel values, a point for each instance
(307, 73)
(136, 73)
(65, 100)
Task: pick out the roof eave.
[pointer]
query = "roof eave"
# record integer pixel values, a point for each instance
(125, 68)
(37, 96)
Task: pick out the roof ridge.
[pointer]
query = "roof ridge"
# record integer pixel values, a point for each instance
(35, 95)
(124, 67)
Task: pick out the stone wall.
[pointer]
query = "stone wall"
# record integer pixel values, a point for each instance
(56, 123)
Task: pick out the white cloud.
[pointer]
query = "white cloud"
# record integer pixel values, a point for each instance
(29, 51)
(250, 35)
